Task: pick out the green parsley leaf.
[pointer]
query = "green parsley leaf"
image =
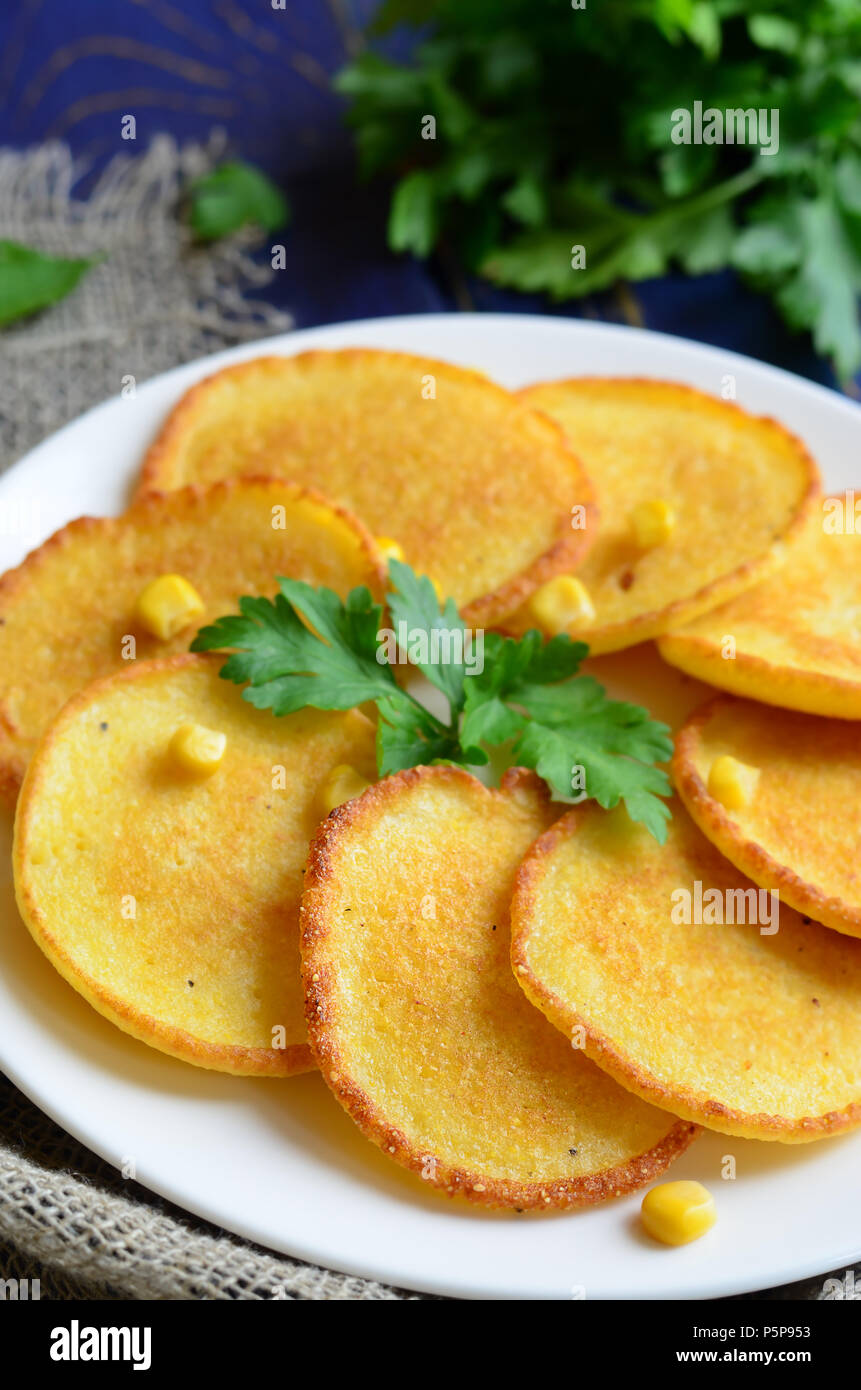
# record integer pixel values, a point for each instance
(821, 295)
(408, 735)
(609, 778)
(558, 721)
(513, 674)
(233, 195)
(31, 280)
(413, 222)
(774, 31)
(526, 201)
(527, 701)
(289, 666)
(436, 638)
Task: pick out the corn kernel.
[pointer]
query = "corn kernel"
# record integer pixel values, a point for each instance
(562, 603)
(731, 782)
(198, 749)
(343, 784)
(652, 523)
(678, 1212)
(167, 605)
(391, 549)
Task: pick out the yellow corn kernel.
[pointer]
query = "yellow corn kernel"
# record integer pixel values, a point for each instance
(652, 523)
(343, 784)
(677, 1212)
(198, 749)
(561, 603)
(732, 783)
(392, 550)
(167, 605)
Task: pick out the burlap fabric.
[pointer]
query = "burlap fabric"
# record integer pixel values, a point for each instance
(66, 1217)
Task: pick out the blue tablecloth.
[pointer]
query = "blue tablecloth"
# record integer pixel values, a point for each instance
(71, 70)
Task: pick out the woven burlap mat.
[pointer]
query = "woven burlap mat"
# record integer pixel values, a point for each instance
(66, 1217)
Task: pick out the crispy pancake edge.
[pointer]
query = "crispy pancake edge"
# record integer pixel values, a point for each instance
(751, 858)
(176, 1042)
(646, 626)
(564, 1194)
(562, 557)
(755, 678)
(617, 1062)
(141, 512)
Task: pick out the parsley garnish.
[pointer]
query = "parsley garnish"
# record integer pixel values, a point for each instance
(527, 701)
(552, 129)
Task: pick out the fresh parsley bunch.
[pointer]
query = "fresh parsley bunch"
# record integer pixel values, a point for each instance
(308, 647)
(553, 130)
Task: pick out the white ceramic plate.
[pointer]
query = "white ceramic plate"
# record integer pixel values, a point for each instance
(278, 1161)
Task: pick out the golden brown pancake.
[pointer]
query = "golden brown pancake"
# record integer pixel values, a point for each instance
(795, 640)
(750, 1034)
(738, 486)
(800, 830)
(415, 1018)
(475, 487)
(66, 612)
(171, 901)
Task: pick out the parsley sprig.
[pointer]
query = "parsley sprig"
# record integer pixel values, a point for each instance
(553, 128)
(527, 701)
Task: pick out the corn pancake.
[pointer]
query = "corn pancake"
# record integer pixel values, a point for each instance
(797, 637)
(475, 487)
(800, 830)
(749, 1034)
(65, 612)
(208, 967)
(654, 441)
(416, 1020)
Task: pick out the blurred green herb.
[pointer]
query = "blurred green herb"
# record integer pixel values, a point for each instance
(552, 129)
(30, 280)
(231, 196)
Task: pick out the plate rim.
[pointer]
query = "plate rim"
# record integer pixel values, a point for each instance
(587, 327)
